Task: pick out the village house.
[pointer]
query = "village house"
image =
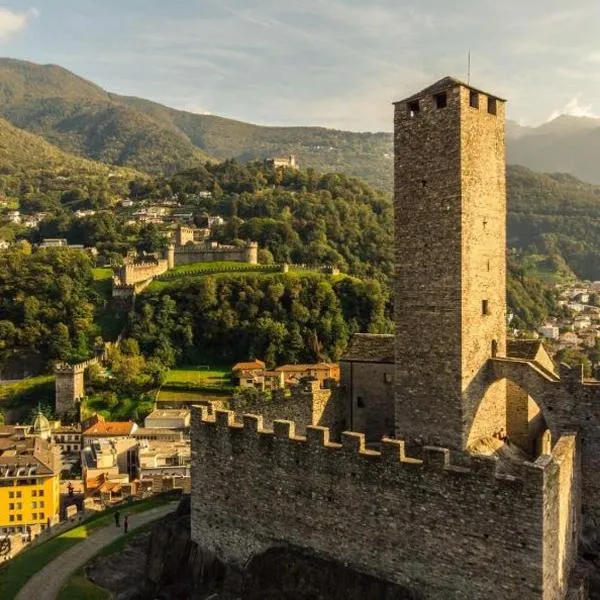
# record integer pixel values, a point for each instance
(324, 373)
(249, 374)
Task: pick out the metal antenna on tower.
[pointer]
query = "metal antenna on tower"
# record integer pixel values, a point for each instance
(469, 68)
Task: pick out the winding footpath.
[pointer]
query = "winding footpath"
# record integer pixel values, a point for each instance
(47, 583)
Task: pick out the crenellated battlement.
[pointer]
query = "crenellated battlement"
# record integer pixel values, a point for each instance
(389, 460)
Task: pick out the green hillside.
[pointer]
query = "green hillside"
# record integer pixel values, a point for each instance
(80, 117)
(34, 174)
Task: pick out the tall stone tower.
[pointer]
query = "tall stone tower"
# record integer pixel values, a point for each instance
(450, 266)
(69, 389)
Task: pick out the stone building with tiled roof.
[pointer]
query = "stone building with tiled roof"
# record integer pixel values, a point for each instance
(366, 384)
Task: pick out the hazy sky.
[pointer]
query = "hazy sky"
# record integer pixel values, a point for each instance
(337, 63)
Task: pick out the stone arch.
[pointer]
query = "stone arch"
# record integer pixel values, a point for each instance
(525, 415)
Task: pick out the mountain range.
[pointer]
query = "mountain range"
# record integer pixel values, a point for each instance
(82, 118)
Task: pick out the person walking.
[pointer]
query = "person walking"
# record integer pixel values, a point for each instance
(117, 515)
(126, 524)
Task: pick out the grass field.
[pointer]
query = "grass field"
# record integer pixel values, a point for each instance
(102, 273)
(188, 396)
(187, 273)
(15, 573)
(215, 376)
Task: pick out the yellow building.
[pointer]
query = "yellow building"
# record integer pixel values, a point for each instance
(29, 481)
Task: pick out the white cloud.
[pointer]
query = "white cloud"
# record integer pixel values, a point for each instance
(12, 22)
(575, 108)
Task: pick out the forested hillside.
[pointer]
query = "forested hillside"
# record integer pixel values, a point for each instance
(47, 306)
(556, 216)
(279, 318)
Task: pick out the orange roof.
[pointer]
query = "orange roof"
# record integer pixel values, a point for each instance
(300, 368)
(110, 428)
(248, 366)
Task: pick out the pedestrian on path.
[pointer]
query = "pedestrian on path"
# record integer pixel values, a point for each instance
(126, 524)
(117, 515)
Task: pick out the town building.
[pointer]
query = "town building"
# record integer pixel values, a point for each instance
(280, 162)
(249, 373)
(29, 479)
(168, 418)
(550, 332)
(325, 373)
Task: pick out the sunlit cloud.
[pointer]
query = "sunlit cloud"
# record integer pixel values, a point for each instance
(12, 22)
(575, 108)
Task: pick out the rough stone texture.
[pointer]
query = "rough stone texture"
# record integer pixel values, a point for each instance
(450, 222)
(69, 388)
(253, 490)
(444, 529)
(132, 273)
(200, 253)
(366, 385)
(307, 405)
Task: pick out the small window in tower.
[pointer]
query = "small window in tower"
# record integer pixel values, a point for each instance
(492, 108)
(413, 108)
(485, 307)
(473, 99)
(441, 100)
(360, 402)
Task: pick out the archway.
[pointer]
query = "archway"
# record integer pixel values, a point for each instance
(516, 428)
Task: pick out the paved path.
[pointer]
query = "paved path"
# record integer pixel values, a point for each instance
(47, 583)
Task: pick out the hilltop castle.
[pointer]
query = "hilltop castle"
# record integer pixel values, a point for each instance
(491, 475)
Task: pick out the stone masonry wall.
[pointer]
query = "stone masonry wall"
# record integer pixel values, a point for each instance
(449, 212)
(135, 273)
(449, 532)
(483, 256)
(367, 394)
(315, 407)
(185, 255)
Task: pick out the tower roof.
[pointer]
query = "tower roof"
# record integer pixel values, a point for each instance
(41, 425)
(443, 84)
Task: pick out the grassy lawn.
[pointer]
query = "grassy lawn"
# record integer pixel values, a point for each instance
(184, 396)
(214, 376)
(15, 573)
(79, 587)
(102, 273)
(158, 284)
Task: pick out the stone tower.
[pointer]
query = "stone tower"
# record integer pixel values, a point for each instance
(450, 266)
(69, 389)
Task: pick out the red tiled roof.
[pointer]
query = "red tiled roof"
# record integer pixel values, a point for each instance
(301, 368)
(110, 428)
(248, 366)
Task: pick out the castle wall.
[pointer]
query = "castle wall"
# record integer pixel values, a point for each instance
(304, 407)
(186, 255)
(367, 396)
(130, 274)
(184, 235)
(448, 532)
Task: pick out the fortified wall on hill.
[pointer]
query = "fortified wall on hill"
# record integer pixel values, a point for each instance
(494, 470)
